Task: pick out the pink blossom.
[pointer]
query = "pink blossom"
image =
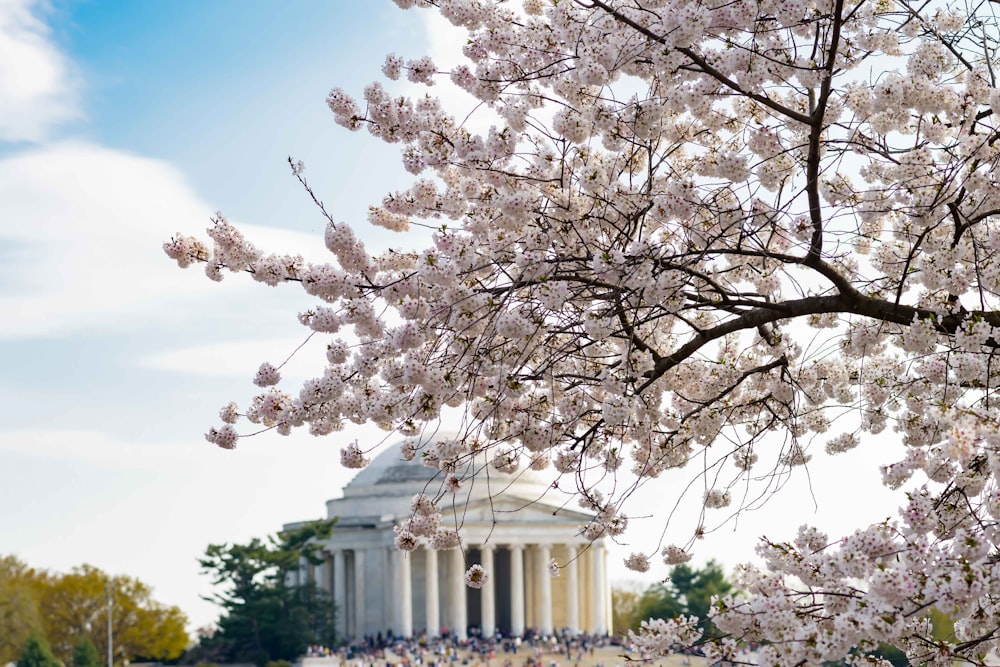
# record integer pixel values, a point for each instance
(476, 576)
(695, 247)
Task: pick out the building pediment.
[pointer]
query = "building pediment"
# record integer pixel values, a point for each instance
(513, 509)
(512, 525)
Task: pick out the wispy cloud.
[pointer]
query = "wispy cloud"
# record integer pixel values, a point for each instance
(38, 90)
(237, 358)
(98, 448)
(258, 453)
(81, 236)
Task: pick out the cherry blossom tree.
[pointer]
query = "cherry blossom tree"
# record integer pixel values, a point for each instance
(722, 236)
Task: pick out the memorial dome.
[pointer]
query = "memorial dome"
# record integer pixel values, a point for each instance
(514, 526)
(389, 474)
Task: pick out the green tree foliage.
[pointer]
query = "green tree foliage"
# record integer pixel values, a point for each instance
(687, 591)
(85, 654)
(269, 613)
(659, 601)
(65, 609)
(37, 653)
(74, 606)
(943, 627)
(19, 616)
(696, 588)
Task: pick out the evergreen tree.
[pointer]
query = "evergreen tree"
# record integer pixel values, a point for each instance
(85, 654)
(269, 613)
(37, 653)
(689, 593)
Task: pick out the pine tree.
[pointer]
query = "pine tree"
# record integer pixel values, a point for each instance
(85, 654)
(37, 653)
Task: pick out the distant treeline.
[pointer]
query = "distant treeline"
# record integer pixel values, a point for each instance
(64, 618)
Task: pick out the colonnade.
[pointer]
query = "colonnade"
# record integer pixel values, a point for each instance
(378, 589)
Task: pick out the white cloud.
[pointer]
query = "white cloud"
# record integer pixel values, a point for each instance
(96, 447)
(81, 238)
(239, 358)
(149, 510)
(38, 90)
(174, 459)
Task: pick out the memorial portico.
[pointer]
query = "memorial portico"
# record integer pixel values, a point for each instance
(513, 535)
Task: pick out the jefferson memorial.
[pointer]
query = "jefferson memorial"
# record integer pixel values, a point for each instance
(508, 523)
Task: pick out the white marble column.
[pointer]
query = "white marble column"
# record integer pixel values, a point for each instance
(432, 609)
(606, 583)
(402, 587)
(530, 588)
(597, 615)
(321, 576)
(456, 590)
(340, 592)
(488, 601)
(516, 590)
(544, 613)
(360, 617)
(572, 590)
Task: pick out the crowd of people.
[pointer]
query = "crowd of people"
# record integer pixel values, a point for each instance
(533, 649)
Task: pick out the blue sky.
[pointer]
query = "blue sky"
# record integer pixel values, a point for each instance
(122, 123)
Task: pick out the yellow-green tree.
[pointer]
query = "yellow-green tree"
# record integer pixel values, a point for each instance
(74, 606)
(19, 617)
(624, 608)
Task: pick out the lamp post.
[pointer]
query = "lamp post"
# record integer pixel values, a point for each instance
(107, 596)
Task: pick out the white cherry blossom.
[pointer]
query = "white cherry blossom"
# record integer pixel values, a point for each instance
(725, 238)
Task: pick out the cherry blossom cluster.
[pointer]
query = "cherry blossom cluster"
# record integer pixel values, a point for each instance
(267, 375)
(352, 456)
(658, 637)
(424, 527)
(729, 238)
(637, 562)
(674, 555)
(908, 570)
(225, 436)
(476, 576)
(671, 554)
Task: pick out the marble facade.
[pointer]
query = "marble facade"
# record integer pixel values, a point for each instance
(508, 526)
